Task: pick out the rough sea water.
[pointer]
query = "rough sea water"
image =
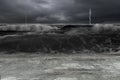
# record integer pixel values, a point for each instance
(59, 67)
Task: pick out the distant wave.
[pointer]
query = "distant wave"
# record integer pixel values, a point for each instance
(12, 35)
(28, 27)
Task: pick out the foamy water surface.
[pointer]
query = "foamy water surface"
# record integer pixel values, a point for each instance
(62, 67)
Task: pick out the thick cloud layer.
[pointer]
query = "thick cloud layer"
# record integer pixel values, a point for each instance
(59, 11)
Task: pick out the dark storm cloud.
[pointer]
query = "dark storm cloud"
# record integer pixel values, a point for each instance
(103, 10)
(59, 11)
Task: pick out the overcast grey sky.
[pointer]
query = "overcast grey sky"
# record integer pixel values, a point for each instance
(59, 11)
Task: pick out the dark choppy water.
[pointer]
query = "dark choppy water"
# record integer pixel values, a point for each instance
(63, 67)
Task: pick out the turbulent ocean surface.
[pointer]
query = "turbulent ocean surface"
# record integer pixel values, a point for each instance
(53, 56)
(59, 67)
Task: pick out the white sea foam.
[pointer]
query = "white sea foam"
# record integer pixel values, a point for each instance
(65, 78)
(77, 65)
(10, 78)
